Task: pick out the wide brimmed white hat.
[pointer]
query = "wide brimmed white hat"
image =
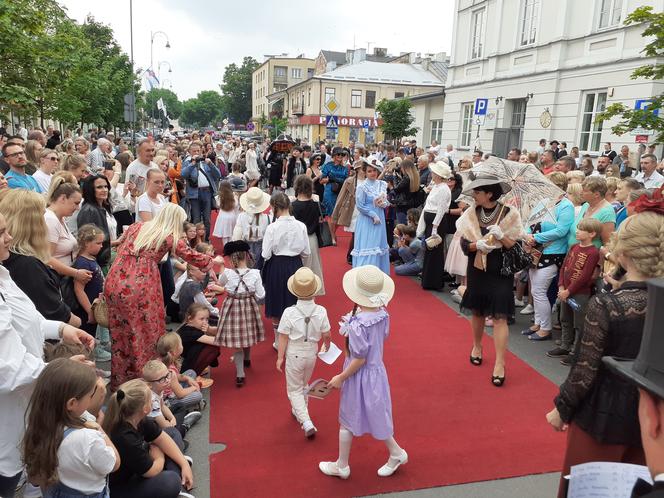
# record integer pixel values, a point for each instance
(441, 169)
(304, 283)
(374, 162)
(368, 286)
(254, 201)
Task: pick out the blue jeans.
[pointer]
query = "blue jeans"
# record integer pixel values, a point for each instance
(200, 209)
(410, 266)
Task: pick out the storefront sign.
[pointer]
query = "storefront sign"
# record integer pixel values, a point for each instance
(353, 122)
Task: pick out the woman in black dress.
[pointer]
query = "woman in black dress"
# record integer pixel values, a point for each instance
(296, 166)
(306, 210)
(314, 172)
(486, 231)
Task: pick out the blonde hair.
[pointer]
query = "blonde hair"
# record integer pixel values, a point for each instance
(61, 186)
(166, 345)
(152, 367)
(24, 213)
(169, 222)
(130, 398)
(641, 239)
(574, 191)
(611, 185)
(575, 176)
(559, 179)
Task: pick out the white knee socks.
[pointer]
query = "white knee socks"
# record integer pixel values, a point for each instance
(238, 359)
(393, 447)
(345, 441)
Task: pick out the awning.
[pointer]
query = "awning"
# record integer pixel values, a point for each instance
(276, 97)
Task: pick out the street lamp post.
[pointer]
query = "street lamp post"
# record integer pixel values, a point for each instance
(153, 35)
(159, 64)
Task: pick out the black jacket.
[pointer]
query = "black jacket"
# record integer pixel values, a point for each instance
(644, 490)
(91, 213)
(40, 283)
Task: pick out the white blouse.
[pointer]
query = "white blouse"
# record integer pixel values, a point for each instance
(438, 201)
(286, 237)
(252, 278)
(247, 229)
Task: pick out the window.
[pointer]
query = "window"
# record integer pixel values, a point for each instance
(296, 73)
(529, 13)
(477, 34)
(280, 71)
(370, 99)
(609, 13)
(356, 98)
(518, 113)
(309, 97)
(436, 129)
(398, 95)
(466, 124)
(591, 131)
(331, 134)
(329, 94)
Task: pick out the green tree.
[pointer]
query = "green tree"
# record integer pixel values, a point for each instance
(203, 110)
(236, 89)
(173, 105)
(277, 126)
(631, 119)
(397, 119)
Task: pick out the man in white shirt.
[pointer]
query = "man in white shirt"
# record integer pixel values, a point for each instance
(649, 175)
(542, 146)
(99, 155)
(137, 171)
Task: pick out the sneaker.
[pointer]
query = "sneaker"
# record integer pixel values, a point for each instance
(567, 360)
(456, 298)
(190, 419)
(519, 303)
(309, 429)
(557, 352)
(101, 354)
(528, 310)
(332, 469)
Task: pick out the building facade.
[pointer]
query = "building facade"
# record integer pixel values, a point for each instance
(547, 69)
(276, 74)
(356, 89)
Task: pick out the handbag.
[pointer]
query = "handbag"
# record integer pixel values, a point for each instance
(323, 234)
(515, 259)
(67, 293)
(100, 311)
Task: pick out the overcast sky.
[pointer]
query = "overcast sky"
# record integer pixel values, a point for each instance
(207, 36)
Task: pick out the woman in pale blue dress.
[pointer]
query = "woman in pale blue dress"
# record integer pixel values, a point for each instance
(370, 246)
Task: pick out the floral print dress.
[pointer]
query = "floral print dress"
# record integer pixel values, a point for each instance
(135, 303)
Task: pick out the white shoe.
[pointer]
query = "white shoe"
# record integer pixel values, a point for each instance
(387, 470)
(454, 292)
(528, 310)
(331, 469)
(309, 429)
(456, 298)
(519, 303)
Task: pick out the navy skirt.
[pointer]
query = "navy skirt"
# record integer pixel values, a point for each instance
(276, 272)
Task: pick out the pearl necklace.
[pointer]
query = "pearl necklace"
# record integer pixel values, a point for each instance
(486, 219)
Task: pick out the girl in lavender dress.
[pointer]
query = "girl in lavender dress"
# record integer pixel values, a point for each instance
(365, 406)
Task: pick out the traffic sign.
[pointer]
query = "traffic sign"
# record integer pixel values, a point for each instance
(641, 105)
(641, 131)
(331, 122)
(481, 106)
(225, 121)
(251, 126)
(365, 124)
(129, 108)
(332, 105)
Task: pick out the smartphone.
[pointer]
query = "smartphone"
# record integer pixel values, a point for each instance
(108, 165)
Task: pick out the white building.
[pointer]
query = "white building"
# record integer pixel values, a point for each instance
(547, 67)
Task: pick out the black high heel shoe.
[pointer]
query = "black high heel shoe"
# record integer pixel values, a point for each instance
(475, 360)
(497, 380)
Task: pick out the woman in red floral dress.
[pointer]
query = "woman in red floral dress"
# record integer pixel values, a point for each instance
(133, 290)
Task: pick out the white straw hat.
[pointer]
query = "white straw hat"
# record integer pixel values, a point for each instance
(254, 201)
(304, 283)
(441, 169)
(368, 286)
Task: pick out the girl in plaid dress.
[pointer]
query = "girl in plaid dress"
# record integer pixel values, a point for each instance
(240, 323)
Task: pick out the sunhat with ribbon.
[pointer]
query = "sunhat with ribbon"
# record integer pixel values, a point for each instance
(441, 169)
(368, 286)
(304, 283)
(374, 162)
(254, 201)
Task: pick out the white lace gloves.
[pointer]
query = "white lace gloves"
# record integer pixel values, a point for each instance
(496, 231)
(484, 246)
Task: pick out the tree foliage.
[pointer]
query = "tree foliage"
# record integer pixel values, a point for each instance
(236, 89)
(631, 119)
(397, 119)
(170, 99)
(206, 109)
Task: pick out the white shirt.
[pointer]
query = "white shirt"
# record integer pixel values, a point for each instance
(286, 237)
(247, 229)
(60, 235)
(145, 204)
(252, 278)
(43, 179)
(96, 161)
(655, 180)
(293, 324)
(438, 201)
(140, 170)
(84, 461)
(22, 334)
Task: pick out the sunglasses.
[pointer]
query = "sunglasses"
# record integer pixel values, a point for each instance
(52, 159)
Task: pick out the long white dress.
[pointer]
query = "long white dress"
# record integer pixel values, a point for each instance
(252, 173)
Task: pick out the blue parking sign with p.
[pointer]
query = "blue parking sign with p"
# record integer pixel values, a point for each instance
(481, 106)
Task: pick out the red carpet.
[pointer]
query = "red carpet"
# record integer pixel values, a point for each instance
(454, 424)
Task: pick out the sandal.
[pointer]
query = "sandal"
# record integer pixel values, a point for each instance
(475, 360)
